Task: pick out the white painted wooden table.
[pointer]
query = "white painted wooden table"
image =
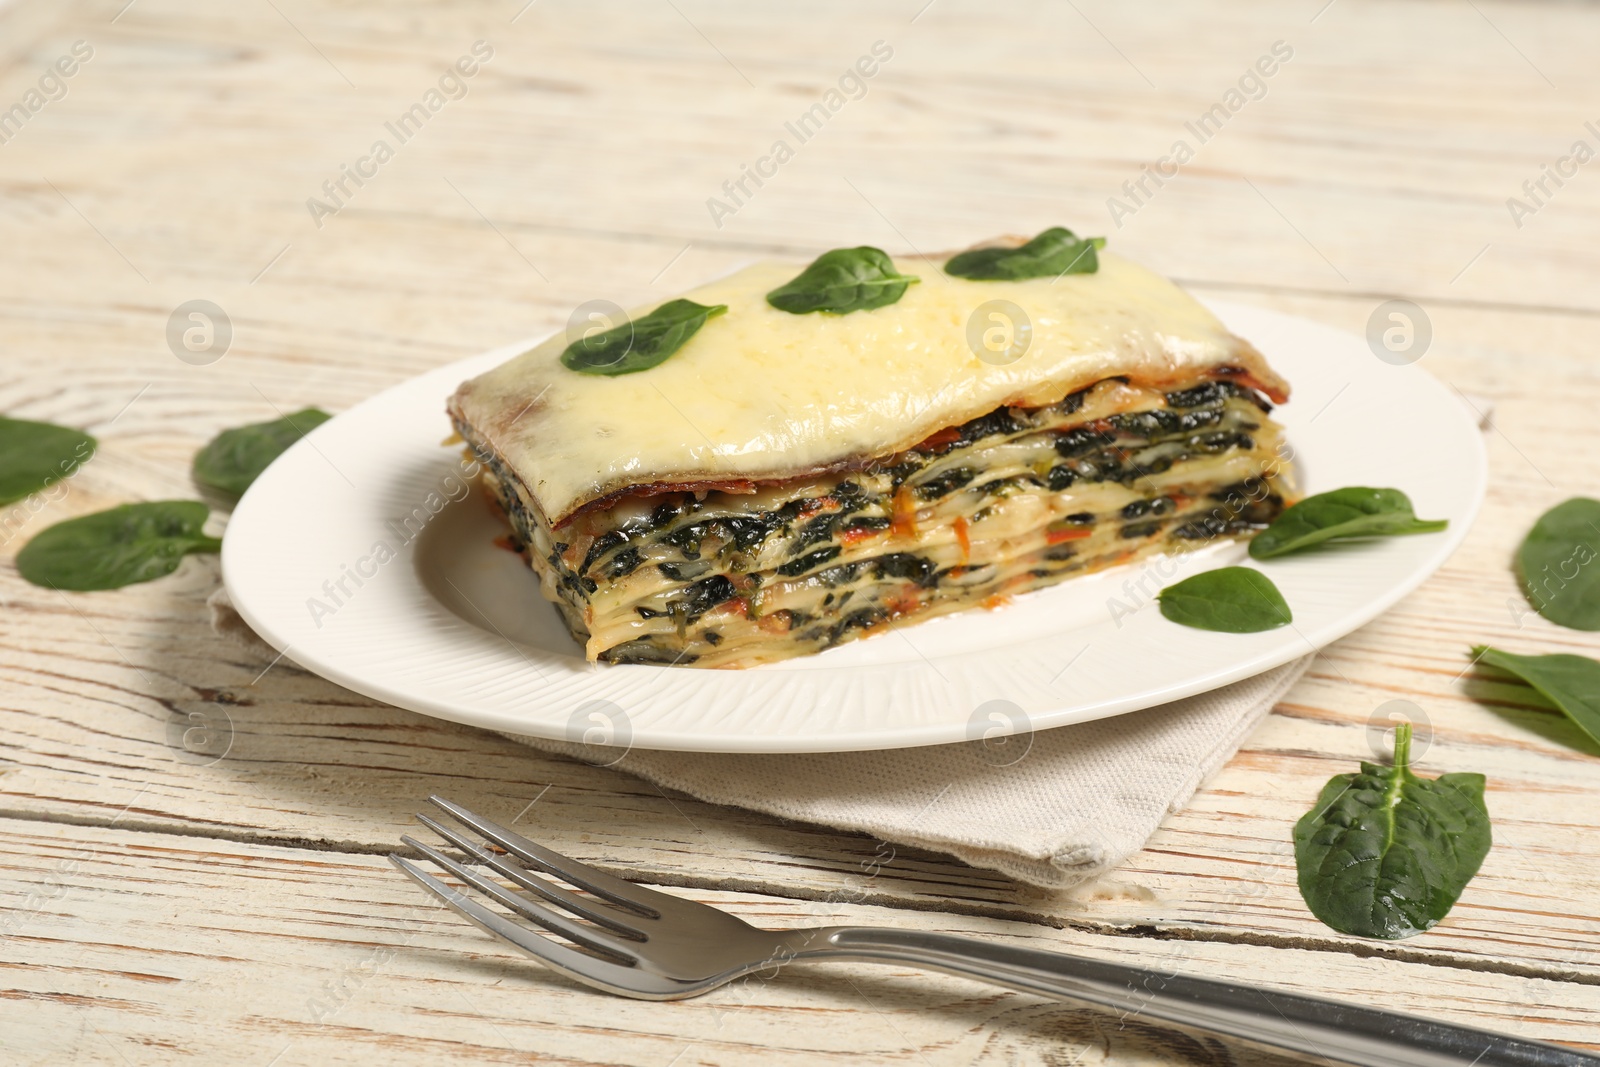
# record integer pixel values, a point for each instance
(159, 907)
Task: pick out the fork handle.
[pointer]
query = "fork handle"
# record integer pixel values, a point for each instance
(1309, 1025)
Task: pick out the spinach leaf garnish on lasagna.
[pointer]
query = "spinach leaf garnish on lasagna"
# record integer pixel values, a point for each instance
(842, 281)
(1054, 252)
(810, 479)
(641, 343)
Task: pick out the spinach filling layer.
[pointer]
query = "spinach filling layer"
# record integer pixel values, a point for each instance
(1008, 502)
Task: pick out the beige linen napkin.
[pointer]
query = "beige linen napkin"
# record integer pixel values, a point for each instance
(1076, 801)
(1053, 808)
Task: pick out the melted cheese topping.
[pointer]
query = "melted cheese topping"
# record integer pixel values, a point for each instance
(760, 394)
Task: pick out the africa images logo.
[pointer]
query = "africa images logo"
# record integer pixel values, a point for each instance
(852, 85)
(338, 590)
(1251, 86)
(52, 86)
(452, 86)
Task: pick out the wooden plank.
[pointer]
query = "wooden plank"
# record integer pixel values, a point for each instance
(251, 952)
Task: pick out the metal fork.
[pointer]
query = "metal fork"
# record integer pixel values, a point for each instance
(636, 942)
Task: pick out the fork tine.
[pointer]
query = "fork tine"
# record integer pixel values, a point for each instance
(609, 887)
(553, 893)
(603, 974)
(589, 938)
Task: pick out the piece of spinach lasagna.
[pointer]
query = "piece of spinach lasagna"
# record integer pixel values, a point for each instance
(782, 482)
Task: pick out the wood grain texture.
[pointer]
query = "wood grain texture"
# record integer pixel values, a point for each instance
(177, 166)
(341, 960)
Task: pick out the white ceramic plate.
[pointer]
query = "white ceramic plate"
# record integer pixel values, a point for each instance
(454, 626)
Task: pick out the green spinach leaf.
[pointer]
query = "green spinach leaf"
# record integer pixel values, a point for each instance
(111, 549)
(1571, 683)
(1340, 514)
(641, 343)
(34, 455)
(1054, 252)
(842, 281)
(1555, 561)
(1386, 854)
(235, 458)
(1235, 600)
